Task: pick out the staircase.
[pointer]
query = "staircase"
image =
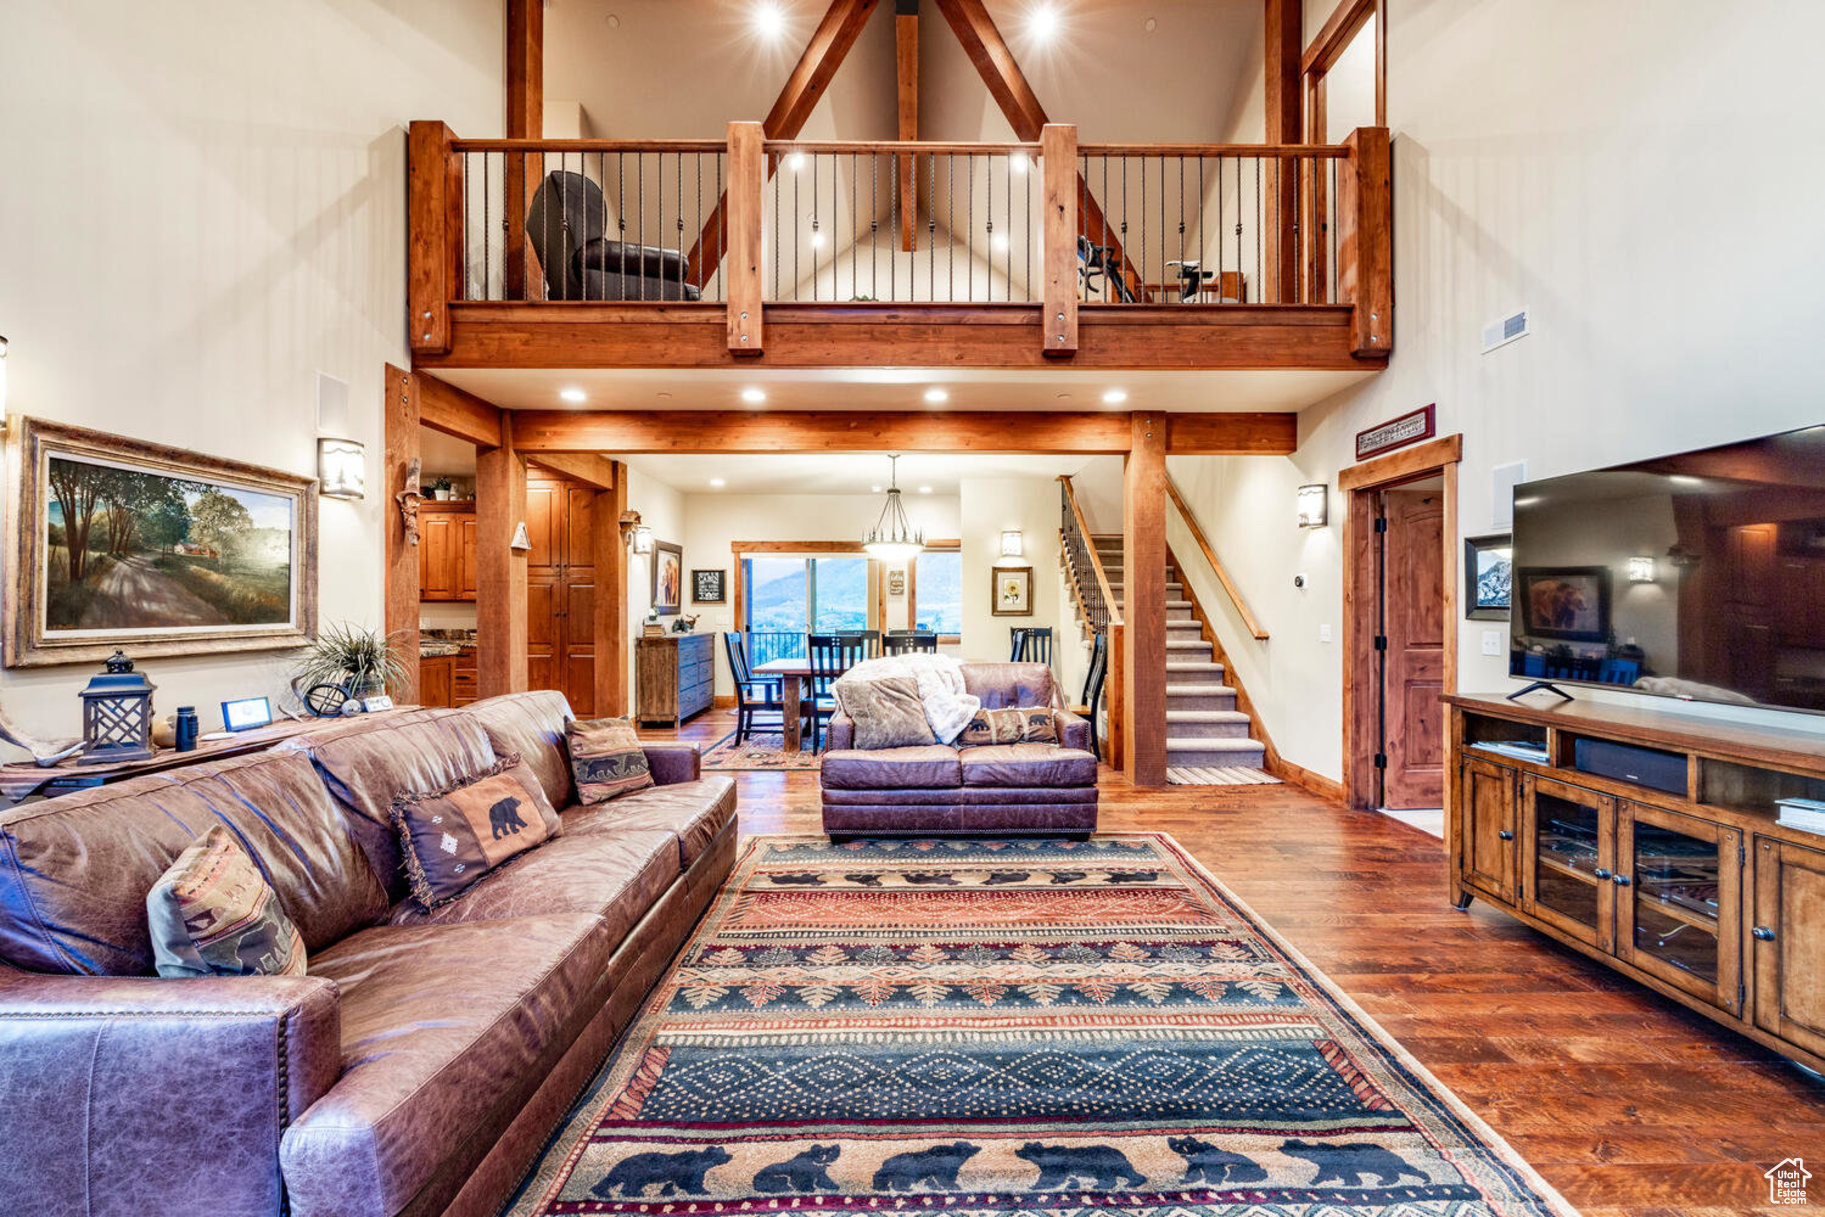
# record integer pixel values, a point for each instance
(1208, 740)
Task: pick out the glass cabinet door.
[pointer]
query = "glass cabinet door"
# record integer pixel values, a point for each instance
(1678, 880)
(1569, 859)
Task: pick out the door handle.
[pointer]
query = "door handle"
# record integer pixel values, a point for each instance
(1762, 933)
(1601, 873)
(1621, 880)
(1505, 835)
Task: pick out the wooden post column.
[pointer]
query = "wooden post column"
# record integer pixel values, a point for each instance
(611, 597)
(500, 597)
(401, 561)
(525, 120)
(1058, 150)
(1365, 240)
(434, 188)
(1144, 601)
(742, 264)
(1285, 23)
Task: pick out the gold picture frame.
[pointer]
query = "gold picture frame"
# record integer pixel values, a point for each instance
(177, 553)
(1011, 591)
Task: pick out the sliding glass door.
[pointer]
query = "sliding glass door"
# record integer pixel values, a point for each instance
(786, 597)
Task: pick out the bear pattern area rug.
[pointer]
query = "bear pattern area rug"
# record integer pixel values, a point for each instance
(1006, 1027)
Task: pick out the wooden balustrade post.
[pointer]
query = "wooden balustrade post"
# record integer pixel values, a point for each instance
(1144, 601)
(610, 604)
(1058, 321)
(501, 634)
(402, 581)
(1114, 655)
(1365, 240)
(742, 219)
(434, 239)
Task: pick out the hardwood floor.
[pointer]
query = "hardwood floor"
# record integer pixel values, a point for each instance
(1625, 1102)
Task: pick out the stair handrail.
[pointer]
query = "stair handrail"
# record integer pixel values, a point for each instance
(1076, 526)
(1210, 555)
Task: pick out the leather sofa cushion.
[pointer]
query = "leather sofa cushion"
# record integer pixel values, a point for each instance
(370, 760)
(1027, 765)
(1005, 685)
(446, 1030)
(531, 724)
(75, 870)
(617, 876)
(693, 812)
(930, 766)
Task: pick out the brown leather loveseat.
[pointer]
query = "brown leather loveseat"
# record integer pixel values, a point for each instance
(423, 1061)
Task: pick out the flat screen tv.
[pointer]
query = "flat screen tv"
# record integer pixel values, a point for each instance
(1699, 576)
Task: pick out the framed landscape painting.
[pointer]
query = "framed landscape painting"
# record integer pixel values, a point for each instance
(161, 551)
(1488, 576)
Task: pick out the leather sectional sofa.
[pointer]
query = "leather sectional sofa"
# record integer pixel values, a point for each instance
(424, 1060)
(938, 790)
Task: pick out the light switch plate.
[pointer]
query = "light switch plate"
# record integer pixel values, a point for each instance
(1324, 633)
(1492, 642)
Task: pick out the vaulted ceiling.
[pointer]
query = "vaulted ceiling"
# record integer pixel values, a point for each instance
(1153, 71)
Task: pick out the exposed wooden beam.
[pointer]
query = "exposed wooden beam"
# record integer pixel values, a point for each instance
(536, 432)
(457, 412)
(906, 81)
(1365, 239)
(744, 233)
(1404, 465)
(1064, 198)
(1334, 36)
(610, 602)
(501, 639)
(1164, 336)
(597, 472)
(433, 188)
(804, 88)
(1144, 601)
(401, 433)
(525, 69)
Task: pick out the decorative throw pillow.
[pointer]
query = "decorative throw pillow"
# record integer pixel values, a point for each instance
(606, 759)
(212, 913)
(454, 836)
(887, 711)
(1015, 725)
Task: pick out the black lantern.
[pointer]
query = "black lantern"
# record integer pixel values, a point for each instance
(117, 714)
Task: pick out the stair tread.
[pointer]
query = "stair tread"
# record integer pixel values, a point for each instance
(1194, 744)
(1206, 716)
(1200, 691)
(1192, 665)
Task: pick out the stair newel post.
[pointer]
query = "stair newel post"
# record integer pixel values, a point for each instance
(434, 252)
(1365, 239)
(742, 222)
(1144, 601)
(1058, 152)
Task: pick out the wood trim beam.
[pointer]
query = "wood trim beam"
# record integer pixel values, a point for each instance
(596, 472)
(501, 624)
(434, 239)
(401, 579)
(457, 412)
(1365, 239)
(1285, 123)
(995, 63)
(906, 88)
(1335, 35)
(1403, 466)
(609, 605)
(804, 88)
(1064, 197)
(745, 234)
(1144, 601)
(684, 431)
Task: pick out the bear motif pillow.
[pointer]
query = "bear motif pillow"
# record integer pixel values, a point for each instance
(212, 913)
(455, 836)
(1014, 725)
(606, 759)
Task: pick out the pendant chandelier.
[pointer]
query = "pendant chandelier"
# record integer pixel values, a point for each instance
(892, 539)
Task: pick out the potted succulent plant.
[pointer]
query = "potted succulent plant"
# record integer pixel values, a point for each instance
(361, 663)
(443, 489)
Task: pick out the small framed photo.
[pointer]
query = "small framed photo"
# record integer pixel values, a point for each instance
(707, 587)
(246, 713)
(1013, 587)
(1488, 576)
(668, 577)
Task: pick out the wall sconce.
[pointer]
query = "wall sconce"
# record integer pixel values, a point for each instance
(635, 535)
(342, 469)
(1314, 503)
(1641, 570)
(1012, 543)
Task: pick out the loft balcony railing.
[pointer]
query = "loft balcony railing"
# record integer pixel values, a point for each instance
(1049, 238)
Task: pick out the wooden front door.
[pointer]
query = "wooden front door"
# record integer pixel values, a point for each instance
(1413, 668)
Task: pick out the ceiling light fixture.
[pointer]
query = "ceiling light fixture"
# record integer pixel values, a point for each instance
(1042, 22)
(892, 539)
(925, 490)
(719, 483)
(753, 396)
(769, 21)
(937, 397)
(1115, 397)
(573, 395)
(796, 161)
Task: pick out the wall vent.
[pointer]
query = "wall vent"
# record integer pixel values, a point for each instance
(1505, 331)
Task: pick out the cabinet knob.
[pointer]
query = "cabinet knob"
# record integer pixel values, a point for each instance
(1601, 873)
(1621, 880)
(1762, 933)
(1505, 835)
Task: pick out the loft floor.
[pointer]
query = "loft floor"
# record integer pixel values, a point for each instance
(1626, 1103)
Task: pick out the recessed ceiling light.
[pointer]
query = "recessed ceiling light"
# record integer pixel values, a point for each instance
(1115, 397)
(925, 490)
(796, 161)
(1151, 24)
(573, 394)
(753, 396)
(937, 397)
(663, 394)
(1042, 22)
(769, 21)
(718, 482)
(875, 489)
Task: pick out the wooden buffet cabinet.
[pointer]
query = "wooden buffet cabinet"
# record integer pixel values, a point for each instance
(1697, 893)
(676, 677)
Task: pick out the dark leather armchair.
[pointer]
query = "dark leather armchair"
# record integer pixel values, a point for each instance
(567, 225)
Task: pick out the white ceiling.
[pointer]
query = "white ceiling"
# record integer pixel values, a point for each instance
(901, 388)
(682, 69)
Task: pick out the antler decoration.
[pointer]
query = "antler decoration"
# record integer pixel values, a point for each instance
(45, 753)
(409, 499)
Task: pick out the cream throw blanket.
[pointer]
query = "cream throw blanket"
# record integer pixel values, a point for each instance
(947, 707)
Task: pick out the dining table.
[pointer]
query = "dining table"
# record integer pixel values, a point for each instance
(794, 682)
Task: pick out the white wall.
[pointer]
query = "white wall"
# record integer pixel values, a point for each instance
(661, 509)
(1582, 160)
(204, 204)
(989, 506)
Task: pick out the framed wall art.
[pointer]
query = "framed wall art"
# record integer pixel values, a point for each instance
(668, 577)
(1013, 586)
(1488, 576)
(707, 587)
(161, 551)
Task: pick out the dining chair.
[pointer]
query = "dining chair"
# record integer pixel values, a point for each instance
(1093, 687)
(757, 699)
(1031, 644)
(871, 640)
(900, 642)
(831, 655)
